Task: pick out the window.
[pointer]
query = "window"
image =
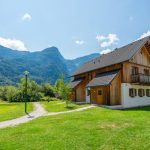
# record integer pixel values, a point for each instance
(132, 92)
(135, 70)
(148, 92)
(146, 72)
(99, 92)
(141, 92)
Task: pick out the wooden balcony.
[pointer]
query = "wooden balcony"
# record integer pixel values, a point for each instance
(140, 79)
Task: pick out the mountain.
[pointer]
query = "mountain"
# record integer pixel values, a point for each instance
(44, 66)
(74, 64)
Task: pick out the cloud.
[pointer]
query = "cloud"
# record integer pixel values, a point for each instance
(106, 41)
(145, 35)
(105, 51)
(79, 42)
(13, 44)
(26, 17)
(100, 37)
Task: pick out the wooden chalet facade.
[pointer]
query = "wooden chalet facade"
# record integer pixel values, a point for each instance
(121, 77)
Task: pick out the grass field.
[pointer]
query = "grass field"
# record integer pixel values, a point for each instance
(93, 129)
(12, 110)
(60, 105)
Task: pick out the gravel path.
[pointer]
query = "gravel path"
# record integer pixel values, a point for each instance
(39, 111)
(69, 111)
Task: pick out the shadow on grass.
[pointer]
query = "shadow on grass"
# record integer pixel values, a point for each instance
(70, 107)
(144, 108)
(29, 116)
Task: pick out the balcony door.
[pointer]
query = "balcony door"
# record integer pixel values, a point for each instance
(135, 70)
(146, 72)
(135, 74)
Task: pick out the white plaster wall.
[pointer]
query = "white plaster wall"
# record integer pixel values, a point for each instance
(87, 97)
(128, 101)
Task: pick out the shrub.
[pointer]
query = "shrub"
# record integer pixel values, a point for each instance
(48, 90)
(46, 98)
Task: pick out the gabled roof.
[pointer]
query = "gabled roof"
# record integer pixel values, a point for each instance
(103, 79)
(75, 82)
(119, 55)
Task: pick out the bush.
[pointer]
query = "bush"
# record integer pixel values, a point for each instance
(47, 90)
(46, 98)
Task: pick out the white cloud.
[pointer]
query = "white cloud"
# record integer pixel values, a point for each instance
(26, 17)
(100, 37)
(145, 34)
(106, 41)
(13, 43)
(79, 42)
(105, 51)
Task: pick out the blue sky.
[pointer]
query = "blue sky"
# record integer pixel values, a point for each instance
(76, 27)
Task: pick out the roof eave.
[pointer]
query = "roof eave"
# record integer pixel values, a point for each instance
(100, 68)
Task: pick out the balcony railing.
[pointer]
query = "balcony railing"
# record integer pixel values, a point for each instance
(140, 78)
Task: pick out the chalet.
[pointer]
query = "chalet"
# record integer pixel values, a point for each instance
(121, 77)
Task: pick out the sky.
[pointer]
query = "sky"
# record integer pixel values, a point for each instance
(75, 27)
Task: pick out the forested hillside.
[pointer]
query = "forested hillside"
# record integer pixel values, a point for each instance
(44, 66)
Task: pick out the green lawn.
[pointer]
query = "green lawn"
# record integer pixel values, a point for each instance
(12, 110)
(60, 105)
(92, 129)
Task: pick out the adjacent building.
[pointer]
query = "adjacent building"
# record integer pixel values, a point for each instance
(121, 77)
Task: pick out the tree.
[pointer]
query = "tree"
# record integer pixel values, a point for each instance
(11, 93)
(32, 88)
(66, 92)
(3, 93)
(63, 89)
(48, 90)
(58, 87)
